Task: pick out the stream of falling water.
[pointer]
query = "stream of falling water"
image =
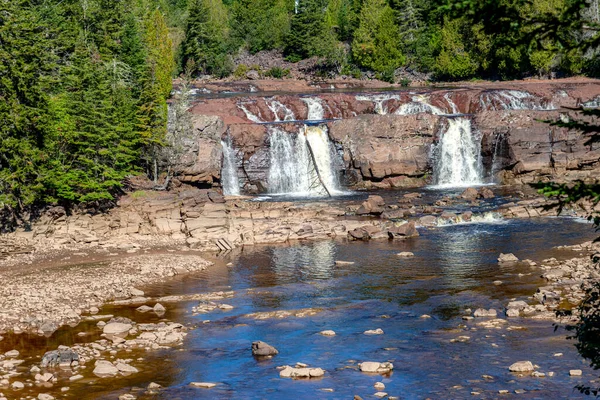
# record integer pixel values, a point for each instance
(229, 177)
(457, 157)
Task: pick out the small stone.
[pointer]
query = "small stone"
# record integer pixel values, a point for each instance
(340, 263)
(94, 310)
(425, 316)
(327, 333)
(159, 308)
(521, 366)
(380, 394)
(406, 254)
(519, 391)
(503, 391)
(76, 378)
(45, 396)
(575, 372)
(551, 374)
(377, 331)
(203, 385)
(16, 385)
(136, 292)
(154, 386)
(497, 283)
(379, 386)
(144, 308)
(558, 354)
(105, 369)
(537, 374)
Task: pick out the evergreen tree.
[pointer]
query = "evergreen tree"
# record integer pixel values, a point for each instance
(306, 30)
(376, 43)
(206, 37)
(260, 24)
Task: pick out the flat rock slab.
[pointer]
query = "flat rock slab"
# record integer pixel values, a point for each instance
(203, 385)
(297, 373)
(376, 367)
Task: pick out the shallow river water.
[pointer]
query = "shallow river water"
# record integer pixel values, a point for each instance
(453, 269)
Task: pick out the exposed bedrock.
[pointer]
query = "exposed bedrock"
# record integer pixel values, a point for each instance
(388, 139)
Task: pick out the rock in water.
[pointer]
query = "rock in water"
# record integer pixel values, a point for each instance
(262, 349)
(481, 312)
(56, 357)
(510, 257)
(403, 231)
(521, 366)
(469, 194)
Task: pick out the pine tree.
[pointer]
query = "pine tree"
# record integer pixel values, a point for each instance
(376, 43)
(306, 27)
(206, 37)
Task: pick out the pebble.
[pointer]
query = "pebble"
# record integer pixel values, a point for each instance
(377, 331)
(379, 386)
(575, 372)
(503, 391)
(12, 354)
(17, 385)
(45, 396)
(344, 263)
(406, 254)
(380, 394)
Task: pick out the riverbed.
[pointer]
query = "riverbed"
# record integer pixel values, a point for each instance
(419, 303)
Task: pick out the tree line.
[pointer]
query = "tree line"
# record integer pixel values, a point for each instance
(84, 83)
(354, 36)
(83, 90)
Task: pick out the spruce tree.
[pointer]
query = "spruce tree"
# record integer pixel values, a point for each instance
(306, 28)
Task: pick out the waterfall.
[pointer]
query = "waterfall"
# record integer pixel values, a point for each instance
(292, 170)
(276, 107)
(419, 104)
(512, 100)
(451, 103)
(499, 148)
(378, 100)
(315, 108)
(229, 177)
(457, 156)
(249, 115)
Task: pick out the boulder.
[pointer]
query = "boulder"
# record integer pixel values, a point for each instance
(116, 330)
(56, 357)
(507, 258)
(373, 206)
(469, 194)
(521, 366)
(262, 349)
(403, 231)
(104, 369)
(486, 193)
(428, 220)
(291, 372)
(481, 312)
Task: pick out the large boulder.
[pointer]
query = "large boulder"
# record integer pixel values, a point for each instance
(403, 231)
(373, 205)
(57, 357)
(263, 349)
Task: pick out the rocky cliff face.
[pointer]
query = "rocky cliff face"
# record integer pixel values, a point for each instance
(385, 139)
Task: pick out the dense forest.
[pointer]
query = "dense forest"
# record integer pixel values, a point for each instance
(84, 83)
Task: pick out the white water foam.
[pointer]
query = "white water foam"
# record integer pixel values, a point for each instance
(315, 108)
(419, 104)
(229, 177)
(457, 156)
(280, 109)
(378, 100)
(249, 115)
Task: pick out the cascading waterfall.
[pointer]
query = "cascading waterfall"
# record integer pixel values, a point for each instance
(512, 100)
(378, 100)
(451, 103)
(292, 170)
(277, 108)
(315, 109)
(249, 115)
(229, 177)
(419, 104)
(457, 156)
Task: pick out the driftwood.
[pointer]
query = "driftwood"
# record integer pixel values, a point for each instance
(312, 156)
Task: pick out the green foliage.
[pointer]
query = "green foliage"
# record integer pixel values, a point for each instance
(79, 83)
(207, 38)
(376, 41)
(306, 31)
(260, 24)
(453, 60)
(277, 72)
